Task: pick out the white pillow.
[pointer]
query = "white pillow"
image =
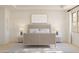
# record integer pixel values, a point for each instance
(34, 30)
(44, 31)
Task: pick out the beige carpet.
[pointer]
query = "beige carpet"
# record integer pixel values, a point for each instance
(60, 48)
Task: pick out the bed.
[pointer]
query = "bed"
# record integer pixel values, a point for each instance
(39, 34)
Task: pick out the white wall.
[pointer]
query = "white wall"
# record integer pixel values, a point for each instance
(75, 39)
(12, 20)
(2, 33)
(67, 28)
(56, 18)
(4, 25)
(7, 24)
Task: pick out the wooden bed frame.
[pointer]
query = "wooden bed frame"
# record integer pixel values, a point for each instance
(39, 38)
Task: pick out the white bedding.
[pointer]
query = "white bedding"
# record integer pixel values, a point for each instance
(39, 30)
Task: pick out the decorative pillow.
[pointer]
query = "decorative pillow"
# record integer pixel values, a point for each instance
(34, 30)
(44, 30)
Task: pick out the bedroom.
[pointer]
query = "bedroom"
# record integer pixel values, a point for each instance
(16, 18)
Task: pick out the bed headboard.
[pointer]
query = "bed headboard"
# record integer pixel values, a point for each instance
(39, 27)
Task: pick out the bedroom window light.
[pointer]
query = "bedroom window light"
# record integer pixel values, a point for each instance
(74, 22)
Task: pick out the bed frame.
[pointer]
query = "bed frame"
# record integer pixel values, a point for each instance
(39, 38)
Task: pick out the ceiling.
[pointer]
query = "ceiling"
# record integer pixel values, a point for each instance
(47, 7)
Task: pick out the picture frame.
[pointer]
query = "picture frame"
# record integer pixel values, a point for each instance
(39, 18)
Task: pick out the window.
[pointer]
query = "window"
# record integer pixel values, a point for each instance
(74, 22)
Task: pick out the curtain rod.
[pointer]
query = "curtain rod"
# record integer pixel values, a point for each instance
(72, 8)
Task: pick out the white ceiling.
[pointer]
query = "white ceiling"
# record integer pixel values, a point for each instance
(47, 7)
(38, 7)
